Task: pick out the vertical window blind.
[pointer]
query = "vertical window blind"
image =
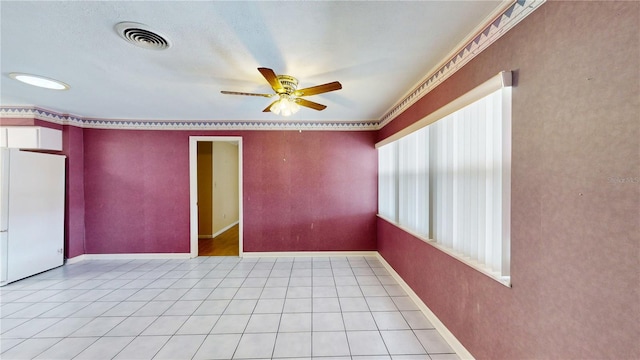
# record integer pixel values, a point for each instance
(413, 181)
(449, 182)
(387, 181)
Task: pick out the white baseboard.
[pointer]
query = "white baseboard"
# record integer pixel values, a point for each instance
(75, 259)
(225, 229)
(219, 231)
(455, 344)
(253, 254)
(135, 256)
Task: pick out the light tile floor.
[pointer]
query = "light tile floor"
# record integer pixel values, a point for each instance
(216, 308)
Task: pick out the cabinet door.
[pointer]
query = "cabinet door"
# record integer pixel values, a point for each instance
(3, 137)
(32, 137)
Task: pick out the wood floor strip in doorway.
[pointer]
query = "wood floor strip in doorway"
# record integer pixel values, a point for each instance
(225, 244)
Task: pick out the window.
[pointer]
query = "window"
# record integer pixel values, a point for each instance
(448, 181)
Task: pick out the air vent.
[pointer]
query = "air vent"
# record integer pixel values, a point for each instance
(140, 35)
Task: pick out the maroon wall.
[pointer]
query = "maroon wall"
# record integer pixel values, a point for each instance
(73, 148)
(303, 191)
(17, 121)
(309, 191)
(136, 191)
(575, 194)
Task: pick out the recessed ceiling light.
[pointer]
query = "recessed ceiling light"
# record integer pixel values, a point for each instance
(40, 81)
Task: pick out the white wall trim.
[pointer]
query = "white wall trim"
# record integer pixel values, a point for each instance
(193, 189)
(133, 256)
(33, 112)
(455, 344)
(75, 259)
(225, 228)
(219, 231)
(254, 254)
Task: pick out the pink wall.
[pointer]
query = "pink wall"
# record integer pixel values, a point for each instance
(30, 121)
(17, 122)
(37, 122)
(136, 191)
(303, 191)
(575, 232)
(310, 191)
(73, 148)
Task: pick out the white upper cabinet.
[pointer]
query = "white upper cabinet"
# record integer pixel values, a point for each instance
(31, 137)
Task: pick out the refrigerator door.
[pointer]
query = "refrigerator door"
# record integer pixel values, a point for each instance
(4, 188)
(3, 257)
(4, 211)
(36, 213)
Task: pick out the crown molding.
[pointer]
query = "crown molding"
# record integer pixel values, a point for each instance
(490, 33)
(30, 112)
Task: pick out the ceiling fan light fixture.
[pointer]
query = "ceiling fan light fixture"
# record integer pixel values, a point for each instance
(286, 106)
(290, 99)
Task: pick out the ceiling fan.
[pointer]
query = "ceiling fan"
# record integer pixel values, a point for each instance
(290, 97)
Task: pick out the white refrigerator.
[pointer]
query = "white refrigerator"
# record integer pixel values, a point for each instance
(32, 195)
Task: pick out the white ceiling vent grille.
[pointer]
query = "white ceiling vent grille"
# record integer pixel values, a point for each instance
(140, 35)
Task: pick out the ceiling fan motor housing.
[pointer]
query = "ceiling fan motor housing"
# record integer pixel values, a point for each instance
(289, 83)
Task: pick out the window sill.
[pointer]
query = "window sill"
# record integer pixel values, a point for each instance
(504, 280)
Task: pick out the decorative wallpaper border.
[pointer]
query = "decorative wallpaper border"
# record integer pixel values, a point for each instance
(26, 112)
(492, 32)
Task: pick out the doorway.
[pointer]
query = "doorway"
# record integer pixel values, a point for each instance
(215, 174)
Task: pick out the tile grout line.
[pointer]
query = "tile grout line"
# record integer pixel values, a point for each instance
(344, 325)
(127, 317)
(282, 310)
(167, 267)
(157, 317)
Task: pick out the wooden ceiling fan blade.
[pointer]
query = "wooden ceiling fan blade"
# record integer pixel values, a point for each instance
(245, 93)
(310, 104)
(272, 78)
(268, 108)
(314, 90)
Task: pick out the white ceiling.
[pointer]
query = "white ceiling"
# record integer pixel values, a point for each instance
(377, 50)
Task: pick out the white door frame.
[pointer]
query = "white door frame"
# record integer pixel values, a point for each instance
(193, 187)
